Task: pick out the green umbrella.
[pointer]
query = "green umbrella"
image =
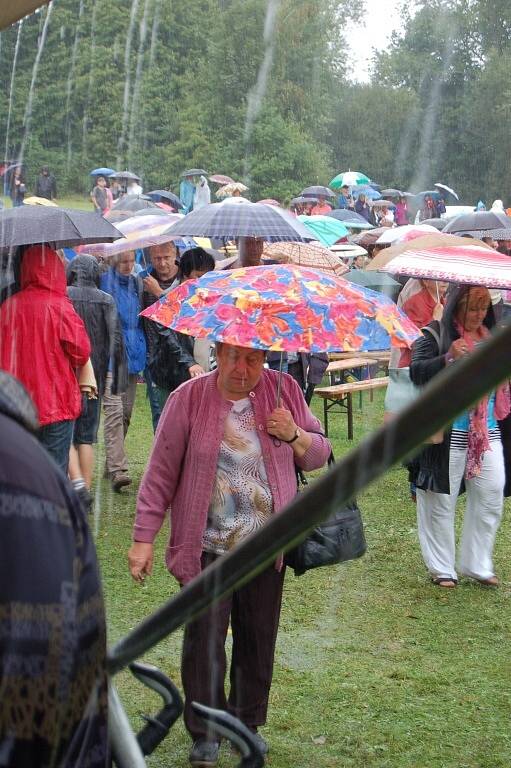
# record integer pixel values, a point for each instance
(349, 179)
(326, 229)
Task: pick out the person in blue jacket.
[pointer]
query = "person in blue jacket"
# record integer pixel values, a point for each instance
(126, 290)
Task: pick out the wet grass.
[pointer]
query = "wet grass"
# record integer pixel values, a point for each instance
(375, 666)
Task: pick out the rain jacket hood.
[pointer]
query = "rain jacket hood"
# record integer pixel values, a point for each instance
(41, 267)
(84, 272)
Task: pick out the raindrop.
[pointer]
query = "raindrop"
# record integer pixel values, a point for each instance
(11, 89)
(127, 83)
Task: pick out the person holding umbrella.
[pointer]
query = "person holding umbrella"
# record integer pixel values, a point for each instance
(224, 461)
(470, 453)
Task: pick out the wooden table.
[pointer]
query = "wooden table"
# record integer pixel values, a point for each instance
(340, 396)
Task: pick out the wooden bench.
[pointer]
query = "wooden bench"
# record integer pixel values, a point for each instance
(348, 364)
(340, 396)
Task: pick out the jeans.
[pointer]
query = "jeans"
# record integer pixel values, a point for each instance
(56, 439)
(154, 400)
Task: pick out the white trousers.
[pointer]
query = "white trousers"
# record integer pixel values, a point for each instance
(436, 513)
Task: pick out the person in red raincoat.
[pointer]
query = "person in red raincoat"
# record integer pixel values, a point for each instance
(42, 343)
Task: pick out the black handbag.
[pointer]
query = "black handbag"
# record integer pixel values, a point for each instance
(338, 539)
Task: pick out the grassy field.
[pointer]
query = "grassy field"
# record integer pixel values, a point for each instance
(375, 666)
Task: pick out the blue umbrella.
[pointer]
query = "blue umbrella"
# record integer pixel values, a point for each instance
(325, 229)
(102, 172)
(367, 190)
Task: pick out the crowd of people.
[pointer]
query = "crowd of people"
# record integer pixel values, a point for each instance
(225, 454)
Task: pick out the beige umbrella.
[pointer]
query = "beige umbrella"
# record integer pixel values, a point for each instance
(229, 189)
(11, 12)
(438, 240)
(34, 200)
(305, 255)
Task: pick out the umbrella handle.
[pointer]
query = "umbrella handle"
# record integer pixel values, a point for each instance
(279, 383)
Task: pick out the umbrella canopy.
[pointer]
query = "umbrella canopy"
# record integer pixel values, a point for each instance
(350, 219)
(349, 178)
(391, 192)
(34, 200)
(481, 224)
(404, 233)
(219, 178)
(194, 172)
(376, 281)
(317, 191)
(229, 189)
(438, 224)
(381, 204)
(138, 233)
(230, 220)
(269, 201)
(305, 255)
(365, 239)
(61, 227)
(347, 251)
(445, 188)
(467, 264)
(324, 228)
(367, 190)
(156, 211)
(102, 172)
(126, 175)
(126, 206)
(284, 308)
(433, 240)
(11, 12)
(163, 195)
(434, 193)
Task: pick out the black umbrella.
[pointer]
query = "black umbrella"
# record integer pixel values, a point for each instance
(126, 175)
(61, 227)
(317, 191)
(391, 192)
(481, 224)
(159, 195)
(241, 219)
(376, 281)
(194, 172)
(156, 211)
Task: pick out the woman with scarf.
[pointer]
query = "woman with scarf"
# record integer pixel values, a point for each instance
(470, 454)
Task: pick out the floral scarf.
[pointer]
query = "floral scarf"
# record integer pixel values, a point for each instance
(478, 441)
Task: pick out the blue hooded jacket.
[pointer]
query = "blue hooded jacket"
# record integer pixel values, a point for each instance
(126, 291)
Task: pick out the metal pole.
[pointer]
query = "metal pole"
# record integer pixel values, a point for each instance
(452, 391)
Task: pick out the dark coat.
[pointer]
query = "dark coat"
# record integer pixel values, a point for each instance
(99, 314)
(52, 654)
(430, 468)
(171, 358)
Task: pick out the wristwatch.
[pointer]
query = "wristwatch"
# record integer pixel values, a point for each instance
(296, 435)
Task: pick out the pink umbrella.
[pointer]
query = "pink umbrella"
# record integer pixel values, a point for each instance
(140, 232)
(270, 201)
(405, 233)
(467, 264)
(219, 178)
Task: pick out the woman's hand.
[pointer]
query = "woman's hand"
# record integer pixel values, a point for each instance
(140, 560)
(280, 424)
(457, 349)
(438, 312)
(196, 370)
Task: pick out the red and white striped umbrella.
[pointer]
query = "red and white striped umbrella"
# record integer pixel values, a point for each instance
(467, 264)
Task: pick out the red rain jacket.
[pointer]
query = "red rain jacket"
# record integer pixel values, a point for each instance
(42, 339)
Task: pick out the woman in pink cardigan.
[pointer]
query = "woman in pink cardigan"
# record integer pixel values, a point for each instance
(223, 461)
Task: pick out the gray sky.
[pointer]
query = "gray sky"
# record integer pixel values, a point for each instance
(381, 18)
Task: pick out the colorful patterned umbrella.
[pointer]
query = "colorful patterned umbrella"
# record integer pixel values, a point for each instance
(284, 308)
(405, 233)
(229, 189)
(324, 228)
(311, 255)
(219, 178)
(425, 242)
(467, 264)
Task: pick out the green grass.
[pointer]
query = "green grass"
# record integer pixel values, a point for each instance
(70, 201)
(375, 666)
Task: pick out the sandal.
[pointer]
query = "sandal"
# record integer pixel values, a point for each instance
(492, 581)
(445, 582)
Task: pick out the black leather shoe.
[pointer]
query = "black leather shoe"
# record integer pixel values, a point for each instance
(204, 753)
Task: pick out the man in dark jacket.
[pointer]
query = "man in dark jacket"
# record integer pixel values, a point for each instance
(46, 185)
(99, 314)
(163, 274)
(53, 687)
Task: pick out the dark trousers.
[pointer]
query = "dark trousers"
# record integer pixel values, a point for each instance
(254, 611)
(56, 438)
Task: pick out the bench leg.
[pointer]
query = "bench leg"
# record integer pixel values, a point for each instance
(325, 415)
(349, 405)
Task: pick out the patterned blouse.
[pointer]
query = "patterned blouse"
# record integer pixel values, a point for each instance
(242, 499)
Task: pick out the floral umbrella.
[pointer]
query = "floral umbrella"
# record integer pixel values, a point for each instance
(284, 308)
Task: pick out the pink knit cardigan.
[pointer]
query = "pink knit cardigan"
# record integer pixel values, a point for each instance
(183, 463)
